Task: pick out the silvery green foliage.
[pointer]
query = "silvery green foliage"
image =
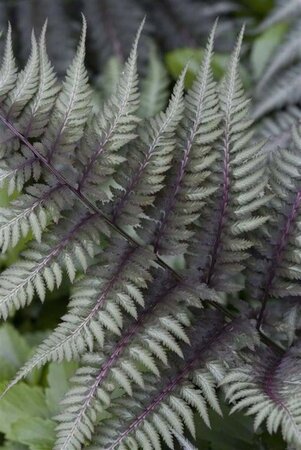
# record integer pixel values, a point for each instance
(101, 196)
(280, 83)
(268, 386)
(277, 130)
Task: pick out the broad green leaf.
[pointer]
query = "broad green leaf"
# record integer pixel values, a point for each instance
(56, 390)
(13, 446)
(37, 433)
(21, 402)
(14, 351)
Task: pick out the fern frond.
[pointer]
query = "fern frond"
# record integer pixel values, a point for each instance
(36, 116)
(155, 413)
(219, 249)
(32, 212)
(121, 365)
(277, 268)
(105, 193)
(283, 92)
(285, 55)
(187, 188)
(277, 130)
(148, 165)
(26, 84)
(113, 128)
(97, 305)
(17, 171)
(40, 267)
(71, 110)
(267, 386)
(280, 81)
(8, 72)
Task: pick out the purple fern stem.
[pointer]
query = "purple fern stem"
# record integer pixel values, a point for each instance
(118, 207)
(223, 210)
(278, 255)
(171, 200)
(120, 347)
(174, 382)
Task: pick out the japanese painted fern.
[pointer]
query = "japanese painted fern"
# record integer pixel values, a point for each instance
(106, 198)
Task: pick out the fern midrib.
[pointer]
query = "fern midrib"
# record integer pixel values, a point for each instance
(75, 86)
(173, 384)
(113, 358)
(87, 203)
(223, 209)
(159, 233)
(101, 148)
(278, 254)
(103, 297)
(269, 387)
(39, 96)
(137, 177)
(38, 202)
(28, 71)
(45, 354)
(120, 203)
(226, 164)
(269, 382)
(48, 258)
(12, 172)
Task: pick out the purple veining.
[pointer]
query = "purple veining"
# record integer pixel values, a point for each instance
(278, 255)
(89, 166)
(173, 383)
(171, 200)
(22, 165)
(119, 204)
(223, 207)
(121, 346)
(56, 250)
(41, 199)
(269, 382)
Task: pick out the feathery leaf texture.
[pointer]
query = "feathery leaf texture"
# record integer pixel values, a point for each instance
(274, 269)
(103, 197)
(222, 241)
(279, 85)
(162, 411)
(268, 387)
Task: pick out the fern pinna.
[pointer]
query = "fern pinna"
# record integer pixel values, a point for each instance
(106, 198)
